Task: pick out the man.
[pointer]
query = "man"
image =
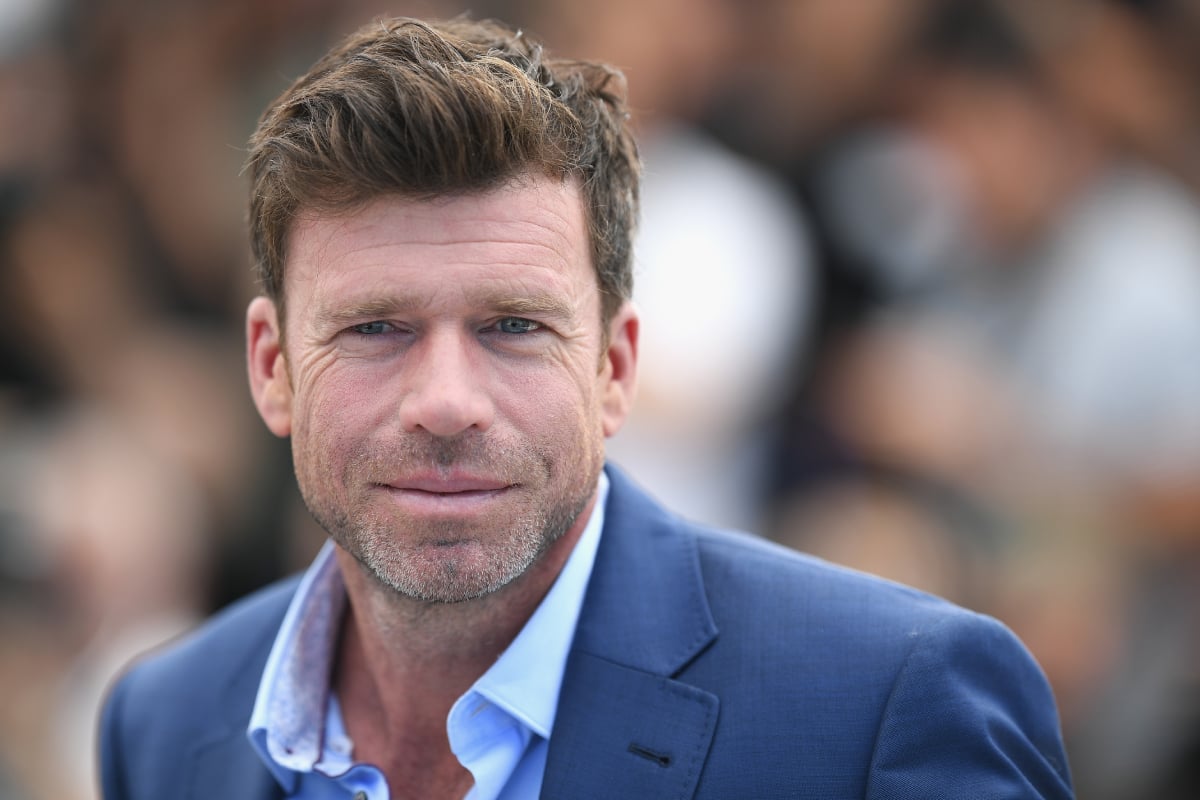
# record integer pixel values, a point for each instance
(441, 216)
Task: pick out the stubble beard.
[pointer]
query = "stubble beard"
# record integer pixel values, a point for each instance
(502, 551)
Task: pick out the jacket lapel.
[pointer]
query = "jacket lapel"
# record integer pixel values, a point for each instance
(624, 723)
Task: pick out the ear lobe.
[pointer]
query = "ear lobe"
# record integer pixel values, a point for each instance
(619, 370)
(269, 382)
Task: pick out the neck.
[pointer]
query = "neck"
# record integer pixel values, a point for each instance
(402, 663)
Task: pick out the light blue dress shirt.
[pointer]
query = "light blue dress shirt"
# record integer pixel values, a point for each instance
(499, 729)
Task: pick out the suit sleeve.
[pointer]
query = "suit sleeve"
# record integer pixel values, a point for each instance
(970, 715)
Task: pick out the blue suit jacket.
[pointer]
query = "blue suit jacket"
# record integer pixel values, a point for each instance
(706, 665)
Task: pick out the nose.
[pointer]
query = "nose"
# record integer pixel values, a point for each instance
(445, 392)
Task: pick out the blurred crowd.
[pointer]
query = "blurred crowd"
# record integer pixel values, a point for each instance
(921, 294)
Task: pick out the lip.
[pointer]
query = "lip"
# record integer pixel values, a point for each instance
(447, 484)
(439, 495)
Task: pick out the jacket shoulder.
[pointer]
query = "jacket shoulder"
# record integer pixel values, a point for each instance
(886, 676)
(185, 696)
(219, 651)
(819, 610)
(749, 569)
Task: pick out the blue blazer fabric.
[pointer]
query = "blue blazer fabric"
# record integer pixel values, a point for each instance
(706, 664)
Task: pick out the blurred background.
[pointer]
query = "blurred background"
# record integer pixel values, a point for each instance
(921, 295)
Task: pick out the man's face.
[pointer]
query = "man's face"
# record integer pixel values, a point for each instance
(445, 380)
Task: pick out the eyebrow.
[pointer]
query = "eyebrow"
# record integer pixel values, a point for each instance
(533, 305)
(538, 304)
(342, 316)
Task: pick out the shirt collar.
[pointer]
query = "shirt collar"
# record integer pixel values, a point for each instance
(525, 680)
(287, 722)
(288, 719)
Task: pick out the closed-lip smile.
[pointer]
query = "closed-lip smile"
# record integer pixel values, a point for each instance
(452, 484)
(442, 494)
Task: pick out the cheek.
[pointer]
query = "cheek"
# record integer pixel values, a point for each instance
(342, 392)
(329, 416)
(562, 410)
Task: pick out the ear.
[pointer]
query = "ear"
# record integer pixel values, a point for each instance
(269, 381)
(619, 368)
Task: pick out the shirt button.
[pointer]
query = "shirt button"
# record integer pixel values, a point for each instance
(360, 796)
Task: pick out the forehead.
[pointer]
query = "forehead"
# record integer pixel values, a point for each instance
(531, 229)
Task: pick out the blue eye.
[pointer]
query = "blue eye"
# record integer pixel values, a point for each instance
(370, 328)
(517, 325)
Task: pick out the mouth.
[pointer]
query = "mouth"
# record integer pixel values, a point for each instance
(452, 484)
(445, 495)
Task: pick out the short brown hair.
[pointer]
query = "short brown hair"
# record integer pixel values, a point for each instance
(429, 109)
